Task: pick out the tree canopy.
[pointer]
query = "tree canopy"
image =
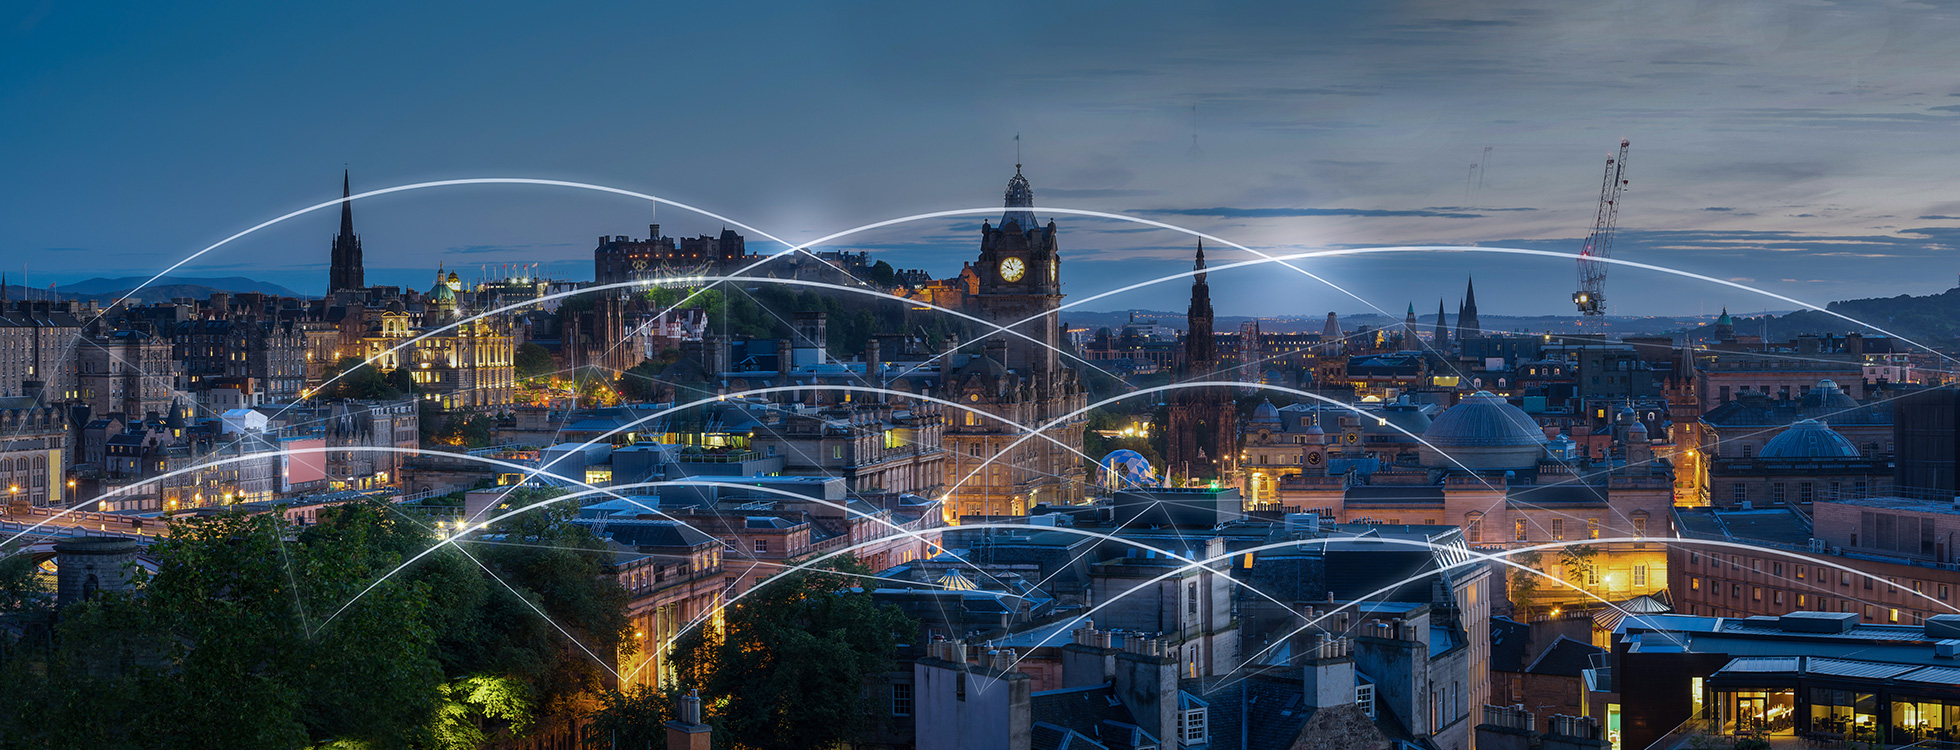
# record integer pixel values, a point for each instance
(235, 640)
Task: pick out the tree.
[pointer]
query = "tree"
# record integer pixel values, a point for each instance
(1524, 583)
(641, 382)
(787, 668)
(1577, 561)
(228, 644)
(634, 718)
(533, 361)
(882, 274)
(356, 378)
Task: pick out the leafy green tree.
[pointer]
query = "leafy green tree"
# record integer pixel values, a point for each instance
(533, 361)
(357, 378)
(634, 718)
(787, 668)
(641, 382)
(882, 274)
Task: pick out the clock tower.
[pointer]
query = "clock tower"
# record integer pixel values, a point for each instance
(1019, 379)
(1021, 277)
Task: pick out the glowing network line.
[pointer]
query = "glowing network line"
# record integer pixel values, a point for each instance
(715, 280)
(719, 398)
(1479, 557)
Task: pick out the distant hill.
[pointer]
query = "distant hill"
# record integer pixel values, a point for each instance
(100, 285)
(166, 288)
(1934, 318)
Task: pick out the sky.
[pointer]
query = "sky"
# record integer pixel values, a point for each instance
(1806, 148)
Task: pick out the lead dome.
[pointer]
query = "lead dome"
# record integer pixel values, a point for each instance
(1483, 432)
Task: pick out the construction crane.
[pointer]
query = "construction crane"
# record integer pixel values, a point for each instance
(1591, 297)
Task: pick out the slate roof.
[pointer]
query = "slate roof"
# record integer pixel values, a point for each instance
(1565, 658)
(1266, 711)
(1089, 711)
(1510, 641)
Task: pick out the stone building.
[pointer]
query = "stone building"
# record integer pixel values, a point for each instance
(1202, 437)
(1014, 378)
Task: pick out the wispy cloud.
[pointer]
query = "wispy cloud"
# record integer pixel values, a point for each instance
(1226, 212)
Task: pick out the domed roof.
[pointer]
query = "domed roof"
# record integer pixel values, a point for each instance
(1809, 438)
(1266, 412)
(1484, 432)
(1484, 419)
(1828, 396)
(442, 295)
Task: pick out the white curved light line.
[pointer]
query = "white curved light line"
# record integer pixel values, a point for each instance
(791, 388)
(435, 184)
(1211, 384)
(684, 279)
(807, 564)
(610, 490)
(288, 452)
(1664, 541)
(1473, 249)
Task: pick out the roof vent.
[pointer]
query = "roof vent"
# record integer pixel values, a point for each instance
(1943, 626)
(1825, 622)
(1947, 649)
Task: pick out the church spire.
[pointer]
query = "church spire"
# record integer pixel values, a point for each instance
(1441, 341)
(344, 269)
(346, 206)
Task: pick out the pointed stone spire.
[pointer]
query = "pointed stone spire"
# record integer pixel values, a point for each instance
(1441, 341)
(344, 271)
(1200, 350)
(1467, 325)
(346, 206)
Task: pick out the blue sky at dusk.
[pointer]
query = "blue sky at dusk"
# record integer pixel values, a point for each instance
(1805, 148)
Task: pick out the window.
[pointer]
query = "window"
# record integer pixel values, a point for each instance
(1778, 597)
(901, 699)
(1694, 584)
(1755, 593)
(1364, 696)
(1592, 528)
(1558, 528)
(1517, 529)
(1942, 591)
(1803, 600)
(1893, 617)
(837, 451)
(1800, 570)
(1741, 493)
(1756, 565)
(1473, 526)
(1191, 599)
(762, 545)
(1640, 576)
(1191, 728)
(1694, 558)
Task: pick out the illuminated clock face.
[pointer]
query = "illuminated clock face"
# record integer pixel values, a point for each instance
(1012, 269)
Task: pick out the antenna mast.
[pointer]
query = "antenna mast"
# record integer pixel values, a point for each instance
(1591, 297)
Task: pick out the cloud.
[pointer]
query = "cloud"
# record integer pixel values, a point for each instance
(1098, 193)
(1226, 212)
(1718, 208)
(485, 249)
(1940, 217)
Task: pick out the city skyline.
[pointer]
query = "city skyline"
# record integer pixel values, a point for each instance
(1785, 146)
